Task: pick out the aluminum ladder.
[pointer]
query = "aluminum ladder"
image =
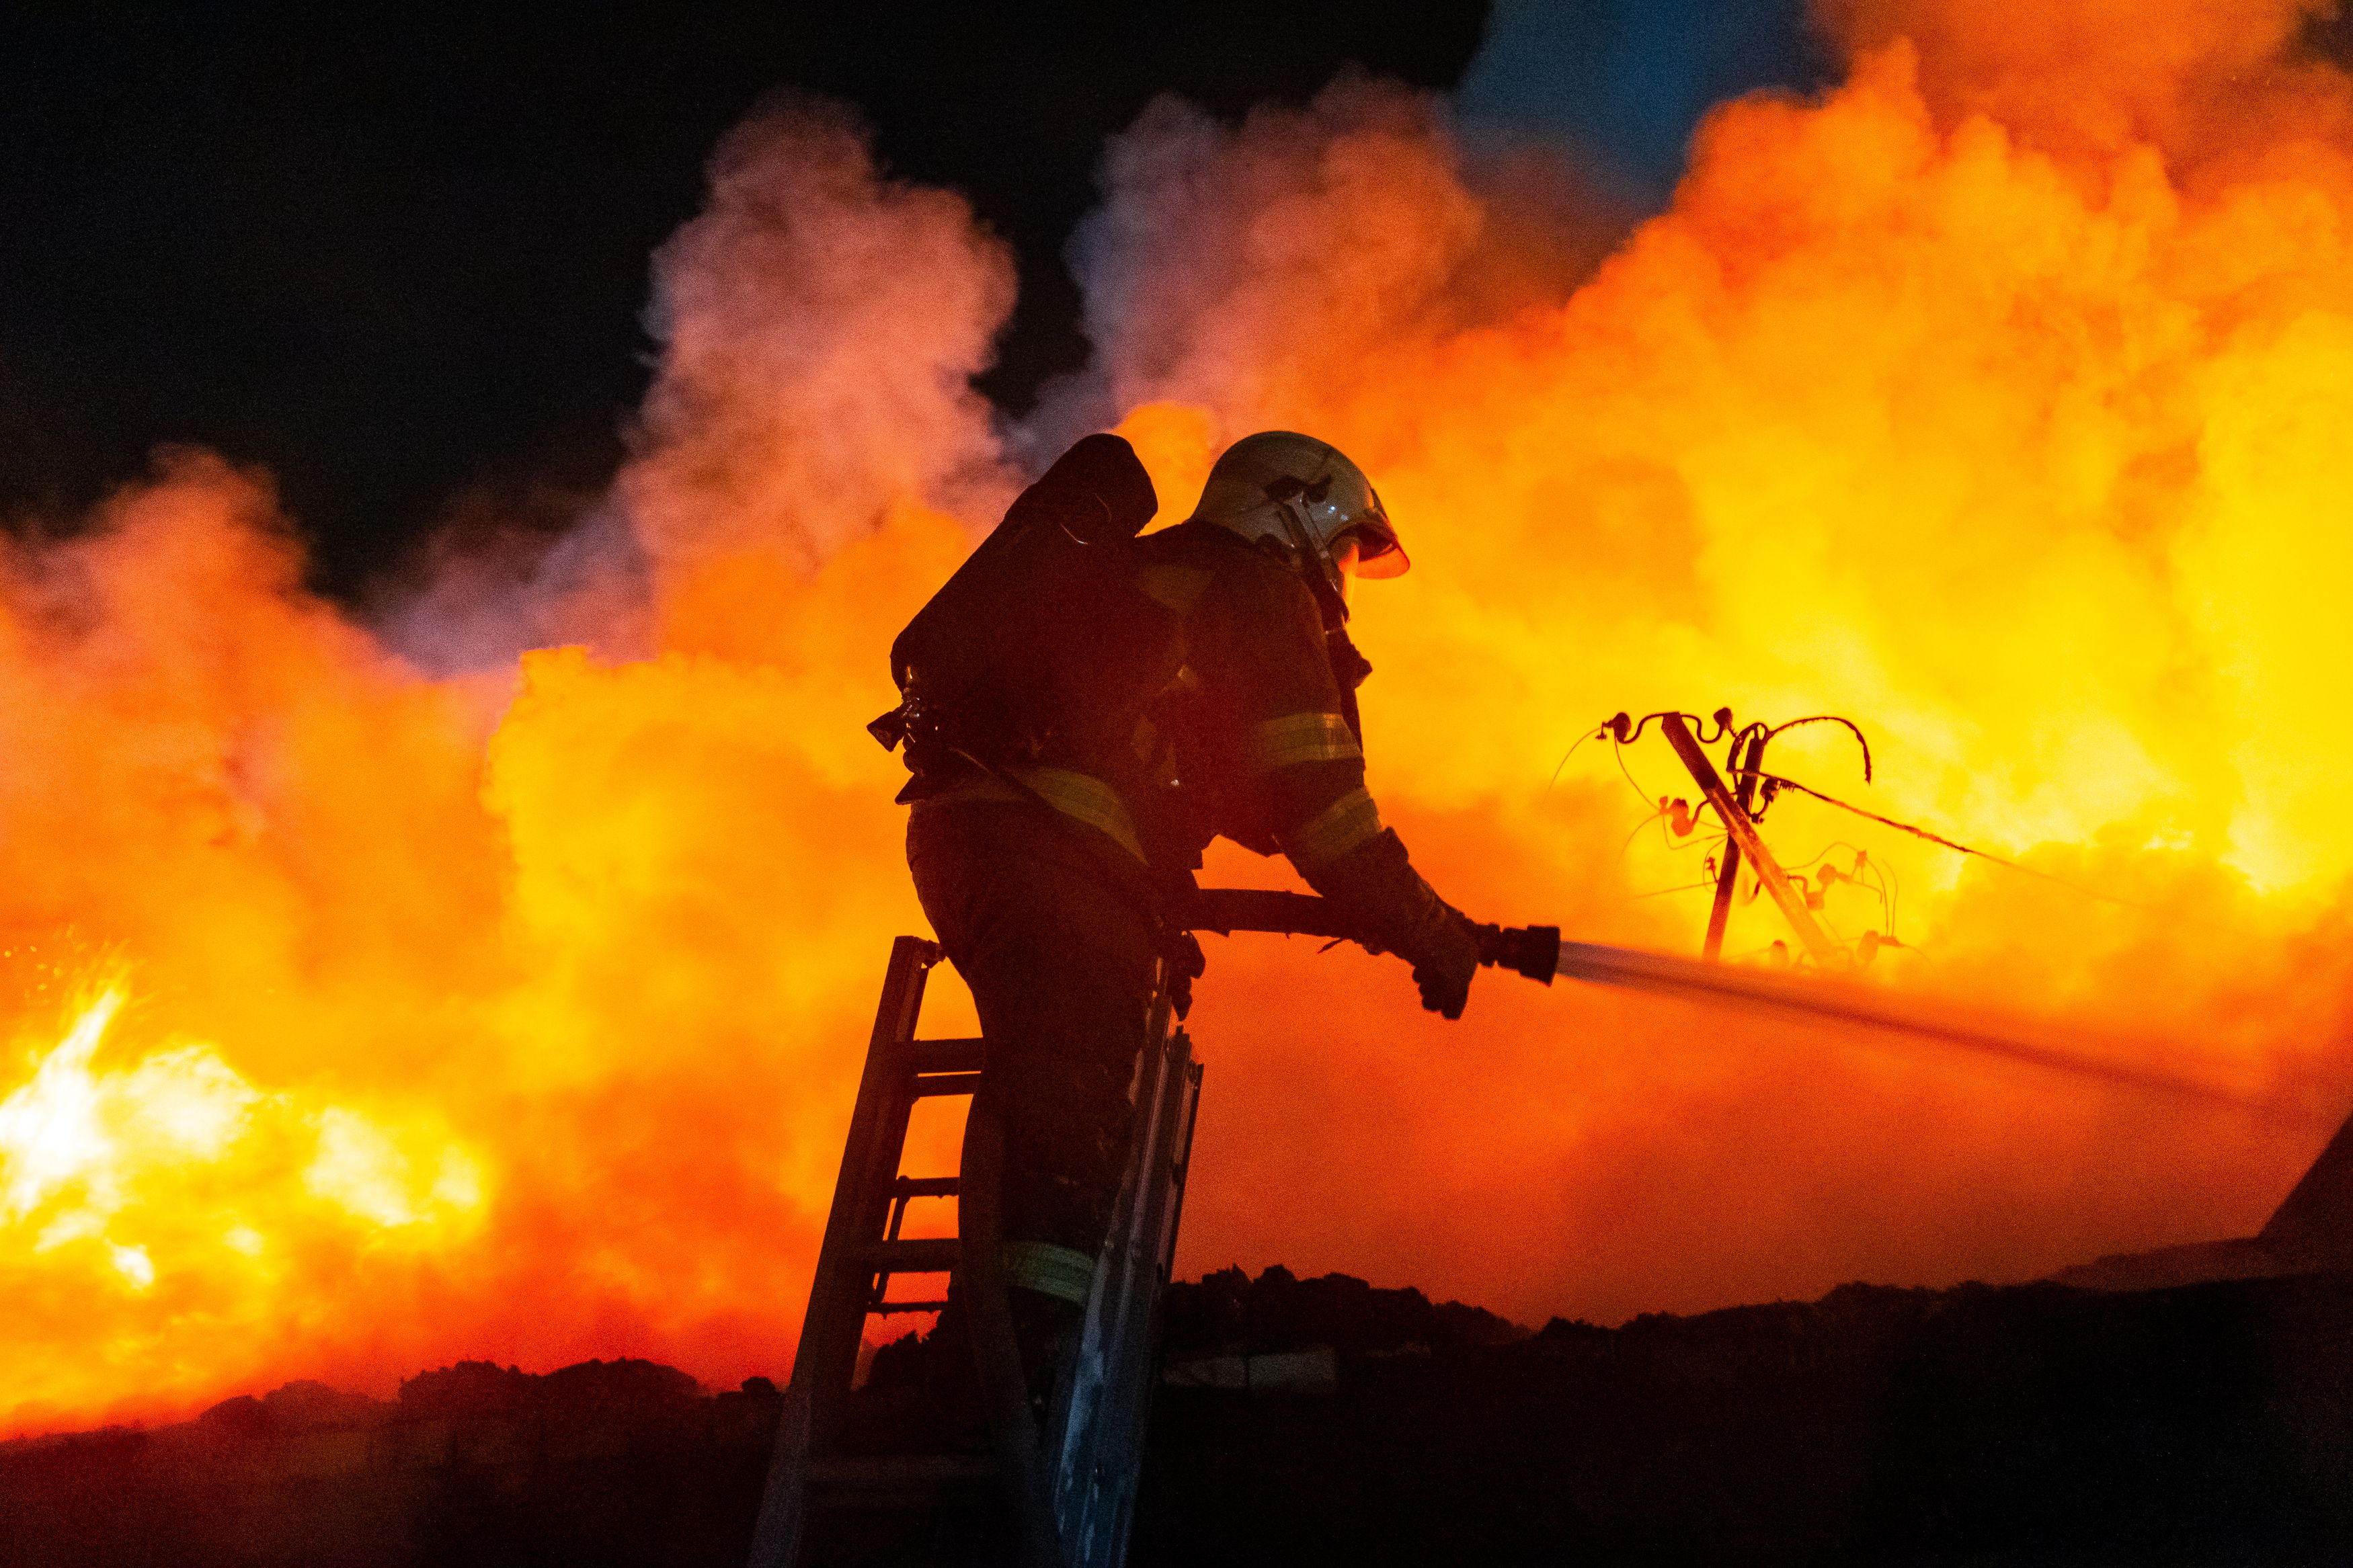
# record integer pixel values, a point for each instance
(1065, 1499)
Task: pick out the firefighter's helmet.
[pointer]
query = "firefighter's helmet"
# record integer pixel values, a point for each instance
(1305, 499)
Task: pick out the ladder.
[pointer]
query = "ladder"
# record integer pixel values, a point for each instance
(1066, 1500)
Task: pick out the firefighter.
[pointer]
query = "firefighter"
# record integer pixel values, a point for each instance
(1213, 692)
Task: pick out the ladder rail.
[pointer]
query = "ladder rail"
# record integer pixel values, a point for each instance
(1097, 1436)
(835, 1324)
(1070, 1492)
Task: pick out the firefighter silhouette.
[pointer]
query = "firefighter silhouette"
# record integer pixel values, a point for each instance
(1085, 710)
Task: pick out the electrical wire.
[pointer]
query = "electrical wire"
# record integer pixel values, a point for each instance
(1852, 728)
(1637, 832)
(1685, 888)
(1629, 731)
(1696, 840)
(1619, 752)
(1818, 856)
(1781, 783)
(1855, 878)
(1593, 734)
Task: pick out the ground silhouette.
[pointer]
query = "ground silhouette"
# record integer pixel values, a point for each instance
(2033, 1424)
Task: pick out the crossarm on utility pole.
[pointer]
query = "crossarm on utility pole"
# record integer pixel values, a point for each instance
(1744, 835)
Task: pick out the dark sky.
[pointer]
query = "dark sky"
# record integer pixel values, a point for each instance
(1621, 82)
(390, 257)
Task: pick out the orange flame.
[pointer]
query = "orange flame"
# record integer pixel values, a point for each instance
(1993, 399)
(154, 1210)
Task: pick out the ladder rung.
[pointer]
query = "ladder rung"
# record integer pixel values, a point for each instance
(887, 1479)
(923, 1187)
(933, 1083)
(926, 1255)
(943, 1056)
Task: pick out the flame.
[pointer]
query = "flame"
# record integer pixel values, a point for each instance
(171, 1169)
(495, 975)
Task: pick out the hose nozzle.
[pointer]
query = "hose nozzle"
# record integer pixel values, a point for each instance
(1532, 951)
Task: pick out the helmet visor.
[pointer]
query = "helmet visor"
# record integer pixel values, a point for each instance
(1368, 547)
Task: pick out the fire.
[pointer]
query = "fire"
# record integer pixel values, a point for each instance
(496, 973)
(163, 1201)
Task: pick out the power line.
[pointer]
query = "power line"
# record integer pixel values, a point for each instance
(1780, 783)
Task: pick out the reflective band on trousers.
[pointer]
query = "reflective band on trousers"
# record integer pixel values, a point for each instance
(1087, 799)
(1334, 831)
(1302, 738)
(1041, 1265)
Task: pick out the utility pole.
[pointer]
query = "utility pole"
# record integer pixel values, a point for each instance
(1744, 841)
(1729, 876)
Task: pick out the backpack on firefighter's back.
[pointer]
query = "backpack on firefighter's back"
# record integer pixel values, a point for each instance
(1028, 637)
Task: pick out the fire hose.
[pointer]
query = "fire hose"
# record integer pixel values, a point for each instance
(1539, 953)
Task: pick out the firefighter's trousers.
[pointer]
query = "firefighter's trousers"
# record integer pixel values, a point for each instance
(1059, 959)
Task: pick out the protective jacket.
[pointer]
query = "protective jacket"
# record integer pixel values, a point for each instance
(1230, 709)
(1083, 711)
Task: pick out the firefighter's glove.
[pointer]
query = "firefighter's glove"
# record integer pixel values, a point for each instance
(1448, 958)
(1395, 911)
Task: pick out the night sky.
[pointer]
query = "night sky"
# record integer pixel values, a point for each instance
(391, 258)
